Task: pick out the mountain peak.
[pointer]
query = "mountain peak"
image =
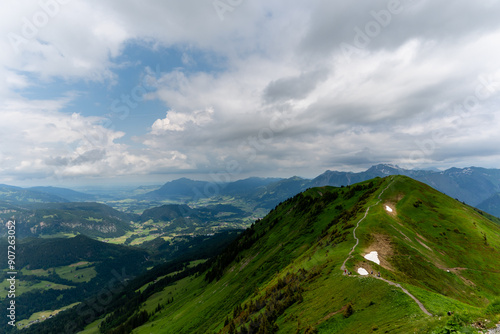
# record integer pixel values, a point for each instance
(387, 169)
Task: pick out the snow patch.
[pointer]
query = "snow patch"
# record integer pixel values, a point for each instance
(388, 208)
(373, 256)
(362, 271)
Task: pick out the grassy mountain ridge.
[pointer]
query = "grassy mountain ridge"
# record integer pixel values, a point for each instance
(441, 235)
(284, 273)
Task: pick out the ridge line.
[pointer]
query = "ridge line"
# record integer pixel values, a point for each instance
(420, 305)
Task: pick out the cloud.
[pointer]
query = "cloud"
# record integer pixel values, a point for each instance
(295, 88)
(177, 121)
(346, 114)
(41, 142)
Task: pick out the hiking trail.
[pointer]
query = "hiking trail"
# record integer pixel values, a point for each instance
(380, 278)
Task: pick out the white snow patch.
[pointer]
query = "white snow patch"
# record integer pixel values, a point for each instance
(362, 271)
(388, 208)
(373, 256)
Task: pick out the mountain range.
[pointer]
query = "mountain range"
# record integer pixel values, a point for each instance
(479, 187)
(476, 186)
(186, 206)
(386, 255)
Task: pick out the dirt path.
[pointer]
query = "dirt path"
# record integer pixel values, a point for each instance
(408, 293)
(357, 225)
(380, 278)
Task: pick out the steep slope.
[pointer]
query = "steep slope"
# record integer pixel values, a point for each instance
(54, 273)
(286, 274)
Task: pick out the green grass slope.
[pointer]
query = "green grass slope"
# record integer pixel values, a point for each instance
(284, 274)
(50, 219)
(54, 273)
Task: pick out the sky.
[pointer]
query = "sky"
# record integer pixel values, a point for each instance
(121, 91)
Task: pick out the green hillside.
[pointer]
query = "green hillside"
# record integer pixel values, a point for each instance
(52, 219)
(55, 273)
(286, 273)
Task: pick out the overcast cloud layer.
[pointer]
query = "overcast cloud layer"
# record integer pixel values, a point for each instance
(268, 88)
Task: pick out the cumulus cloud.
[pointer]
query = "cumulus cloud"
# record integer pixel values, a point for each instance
(41, 142)
(176, 121)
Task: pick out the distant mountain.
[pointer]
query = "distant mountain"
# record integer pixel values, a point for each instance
(491, 205)
(276, 192)
(144, 189)
(472, 185)
(45, 219)
(335, 178)
(86, 207)
(182, 219)
(68, 194)
(186, 189)
(247, 187)
(18, 195)
(257, 192)
(169, 212)
(179, 189)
